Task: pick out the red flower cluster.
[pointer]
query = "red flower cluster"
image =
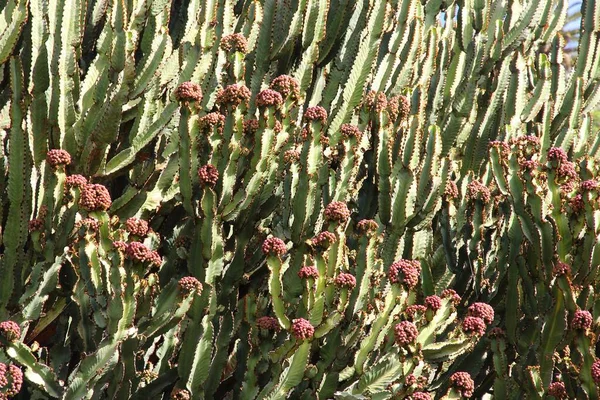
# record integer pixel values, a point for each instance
(188, 283)
(474, 326)
(136, 226)
(324, 239)
(483, 311)
(287, 86)
(558, 390)
(76, 180)
(478, 191)
(434, 302)
(345, 280)
(268, 323)
(406, 272)
(137, 251)
(188, 91)
(451, 293)
(208, 175)
(582, 320)
(302, 329)
(10, 330)
(350, 131)
(316, 113)
(462, 382)
(58, 157)
(11, 381)
(95, 197)
(337, 211)
(234, 42)
(308, 271)
(233, 95)
(405, 333)
(269, 98)
(274, 247)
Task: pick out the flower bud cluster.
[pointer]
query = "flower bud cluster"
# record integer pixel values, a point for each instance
(233, 95)
(10, 330)
(75, 181)
(337, 211)
(235, 42)
(95, 197)
(316, 113)
(324, 239)
(268, 323)
(11, 381)
(406, 272)
(582, 320)
(558, 390)
(188, 92)
(478, 191)
(308, 271)
(287, 86)
(208, 175)
(302, 329)
(269, 98)
(58, 157)
(405, 333)
(137, 251)
(188, 283)
(463, 382)
(274, 247)
(136, 226)
(345, 280)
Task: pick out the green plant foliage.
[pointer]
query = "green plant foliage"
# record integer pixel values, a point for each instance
(349, 199)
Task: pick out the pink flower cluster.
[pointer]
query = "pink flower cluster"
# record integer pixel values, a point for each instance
(188, 91)
(287, 86)
(558, 390)
(596, 371)
(234, 42)
(95, 197)
(188, 283)
(406, 272)
(11, 381)
(316, 113)
(308, 271)
(367, 226)
(268, 323)
(10, 330)
(478, 191)
(582, 320)
(420, 396)
(250, 126)
(414, 309)
(324, 239)
(211, 120)
(375, 101)
(462, 382)
(474, 326)
(433, 303)
(405, 333)
(557, 154)
(269, 98)
(208, 175)
(345, 280)
(350, 131)
(36, 225)
(274, 247)
(76, 180)
(451, 190)
(451, 294)
(302, 329)
(58, 157)
(136, 226)
(137, 251)
(180, 394)
(483, 311)
(233, 95)
(560, 269)
(337, 211)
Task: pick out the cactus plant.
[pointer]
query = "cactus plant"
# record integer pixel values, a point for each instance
(268, 200)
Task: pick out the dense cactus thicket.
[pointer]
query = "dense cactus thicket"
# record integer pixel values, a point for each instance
(312, 199)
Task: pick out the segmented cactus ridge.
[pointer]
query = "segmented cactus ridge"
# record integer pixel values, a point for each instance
(345, 280)
(451, 294)
(58, 157)
(557, 154)
(367, 226)
(451, 190)
(337, 211)
(187, 284)
(561, 268)
(274, 247)
(95, 197)
(497, 333)
(180, 394)
(474, 325)
(316, 113)
(136, 226)
(188, 92)
(269, 98)
(11, 381)
(350, 131)
(420, 396)
(268, 323)
(233, 95)
(308, 271)
(208, 175)
(236, 42)
(406, 272)
(405, 333)
(412, 310)
(558, 390)
(589, 185)
(250, 126)
(582, 320)
(302, 329)
(212, 120)
(36, 225)
(324, 239)
(463, 383)
(138, 252)
(287, 86)
(10, 330)
(433, 302)
(596, 371)
(478, 191)
(291, 156)
(375, 101)
(483, 311)
(75, 181)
